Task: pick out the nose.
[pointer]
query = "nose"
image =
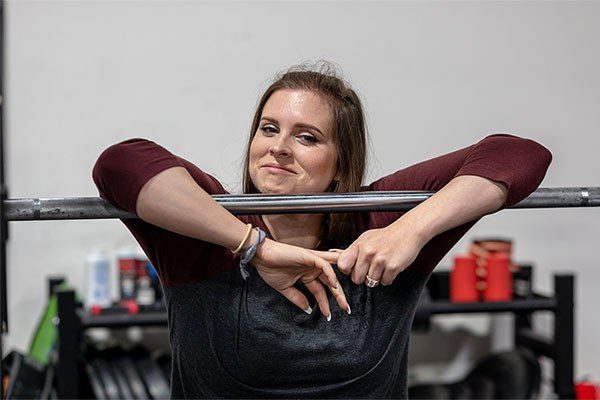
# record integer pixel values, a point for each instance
(280, 146)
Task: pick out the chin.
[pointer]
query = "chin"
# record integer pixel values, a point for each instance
(273, 190)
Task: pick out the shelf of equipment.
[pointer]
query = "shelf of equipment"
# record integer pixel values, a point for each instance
(72, 321)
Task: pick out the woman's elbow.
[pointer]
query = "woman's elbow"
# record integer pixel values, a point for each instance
(109, 164)
(106, 162)
(545, 156)
(539, 157)
(523, 149)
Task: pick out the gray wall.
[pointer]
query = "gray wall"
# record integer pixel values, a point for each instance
(434, 76)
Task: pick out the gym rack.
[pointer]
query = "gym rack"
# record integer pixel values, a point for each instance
(73, 321)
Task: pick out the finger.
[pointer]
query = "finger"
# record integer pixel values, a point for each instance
(327, 269)
(330, 256)
(330, 279)
(359, 272)
(297, 297)
(347, 259)
(316, 288)
(338, 294)
(389, 275)
(376, 270)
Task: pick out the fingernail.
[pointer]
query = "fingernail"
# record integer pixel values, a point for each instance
(335, 250)
(334, 287)
(329, 318)
(348, 310)
(308, 310)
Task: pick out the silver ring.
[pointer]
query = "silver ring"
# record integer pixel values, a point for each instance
(371, 282)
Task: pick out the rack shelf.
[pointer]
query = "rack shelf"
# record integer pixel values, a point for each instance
(538, 303)
(154, 318)
(73, 321)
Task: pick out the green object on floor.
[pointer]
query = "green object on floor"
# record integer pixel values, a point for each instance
(45, 335)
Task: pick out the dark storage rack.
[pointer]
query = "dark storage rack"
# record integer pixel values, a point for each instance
(73, 321)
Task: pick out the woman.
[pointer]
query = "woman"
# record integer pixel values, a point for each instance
(232, 334)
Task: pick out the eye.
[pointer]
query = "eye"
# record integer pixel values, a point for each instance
(269, 129)
(307, 138)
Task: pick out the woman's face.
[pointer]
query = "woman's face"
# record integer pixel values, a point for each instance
(293, 149)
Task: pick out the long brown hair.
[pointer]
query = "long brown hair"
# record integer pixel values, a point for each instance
(349, 136)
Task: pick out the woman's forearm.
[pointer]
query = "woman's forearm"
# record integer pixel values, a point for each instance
(464, 199)
(173, 200)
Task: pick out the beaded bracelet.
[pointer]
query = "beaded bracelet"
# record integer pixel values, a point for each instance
(249, 253)
(249, 226)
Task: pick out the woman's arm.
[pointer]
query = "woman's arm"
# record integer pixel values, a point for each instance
(464, 199)
(384, 253)
(173, 201)
(141, 176)
(498, 171)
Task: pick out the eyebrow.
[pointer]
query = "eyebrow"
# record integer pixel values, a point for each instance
(299, 125)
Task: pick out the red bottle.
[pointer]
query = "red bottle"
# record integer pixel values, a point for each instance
(587, 391)
(498, 278)
(463, 280)
(127, 274)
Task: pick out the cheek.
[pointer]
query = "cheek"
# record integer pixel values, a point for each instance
(257, 148)
(325, 165)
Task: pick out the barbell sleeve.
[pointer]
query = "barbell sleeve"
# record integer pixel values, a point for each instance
(34, 209)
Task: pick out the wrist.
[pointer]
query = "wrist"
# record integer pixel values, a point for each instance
(249, 253)
(260, 250)
(242, 244)
(251, 239)
(414, 226)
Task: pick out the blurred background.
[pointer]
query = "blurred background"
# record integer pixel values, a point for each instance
(434, 76)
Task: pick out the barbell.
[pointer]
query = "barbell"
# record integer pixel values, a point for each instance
(34, 209)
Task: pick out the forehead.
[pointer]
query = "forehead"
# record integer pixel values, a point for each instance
(293, 106)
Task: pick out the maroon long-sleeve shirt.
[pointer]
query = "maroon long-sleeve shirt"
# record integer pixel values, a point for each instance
(239, 338)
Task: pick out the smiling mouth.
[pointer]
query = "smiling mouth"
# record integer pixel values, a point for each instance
(277, 169)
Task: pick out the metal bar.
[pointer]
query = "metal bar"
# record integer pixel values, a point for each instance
(96, 208)
(526, 337)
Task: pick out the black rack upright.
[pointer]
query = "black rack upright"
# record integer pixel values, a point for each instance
(3, 188)
(3, 196)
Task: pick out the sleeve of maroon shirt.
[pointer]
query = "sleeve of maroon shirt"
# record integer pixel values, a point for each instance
(519, 164)
(120, 173)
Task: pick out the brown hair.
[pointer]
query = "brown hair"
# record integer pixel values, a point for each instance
(349, 135)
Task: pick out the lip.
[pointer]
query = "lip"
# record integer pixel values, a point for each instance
(277, 169)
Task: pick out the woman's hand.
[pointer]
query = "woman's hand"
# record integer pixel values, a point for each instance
(381, 253)
(281, 266)
(384, 253)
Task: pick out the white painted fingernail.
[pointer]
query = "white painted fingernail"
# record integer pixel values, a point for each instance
(335, 250)
(308, 310)
(348, 310)
(329, 318)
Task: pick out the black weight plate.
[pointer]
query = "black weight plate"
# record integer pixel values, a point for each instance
(106, 378)
(129, 371)
(156, 383)
(164, 362)
(95, 383)
(120, 380)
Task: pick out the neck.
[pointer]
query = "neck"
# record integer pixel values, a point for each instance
(297, 229)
